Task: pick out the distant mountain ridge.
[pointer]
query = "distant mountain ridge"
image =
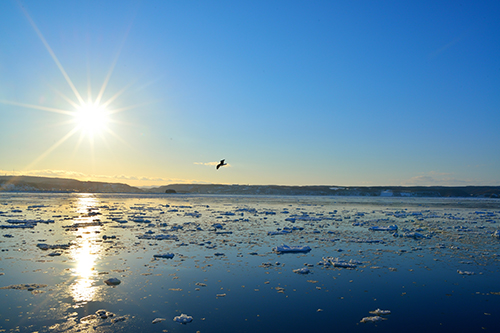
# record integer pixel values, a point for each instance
(46, 184)
(383, 191)
(35, 184)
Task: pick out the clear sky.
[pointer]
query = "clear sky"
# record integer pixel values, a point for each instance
(288, 92)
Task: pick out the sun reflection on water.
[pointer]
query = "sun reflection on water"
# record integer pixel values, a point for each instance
(87, 250)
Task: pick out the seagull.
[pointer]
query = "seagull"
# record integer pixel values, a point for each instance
(220, 164)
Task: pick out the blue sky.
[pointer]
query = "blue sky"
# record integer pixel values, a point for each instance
(288, 92)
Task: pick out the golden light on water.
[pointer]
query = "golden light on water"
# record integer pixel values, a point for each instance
(86, 252)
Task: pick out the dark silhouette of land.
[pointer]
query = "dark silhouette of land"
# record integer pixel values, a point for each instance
(45, 184)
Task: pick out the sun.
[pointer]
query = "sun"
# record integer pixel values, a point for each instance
(91, 118)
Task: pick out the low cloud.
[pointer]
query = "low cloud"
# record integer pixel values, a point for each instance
(211, 164)
(206, 163)
(438, 179)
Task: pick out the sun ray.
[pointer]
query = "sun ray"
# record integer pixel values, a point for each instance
(38, 107)
(66, 98)
(119, 138)
(54, 146)
(115, 96)
(80, 139)
(113, 64)
(90, 116)
(52, 54)
(129, 107)
(89, 85)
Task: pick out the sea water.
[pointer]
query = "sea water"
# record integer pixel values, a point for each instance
(187, 263)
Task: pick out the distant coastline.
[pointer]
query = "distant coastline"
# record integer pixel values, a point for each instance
(46, 184)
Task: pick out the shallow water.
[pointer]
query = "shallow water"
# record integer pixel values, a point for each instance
(224, 273)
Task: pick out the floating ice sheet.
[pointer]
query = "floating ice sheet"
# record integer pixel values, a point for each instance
(303, 270)
(372, 319)
(164, 255)
(387, 228)
(183, 319)
(379, 312)
(112, 282)
(286, 249)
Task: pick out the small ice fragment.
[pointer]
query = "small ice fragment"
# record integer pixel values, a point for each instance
(164, 256)
(304, 270)
(183, 319)
(337, 262)
(285, 248)
(496, 234)
(118, 319)
(102, 314)
(372, 319)
(465, 272)
(112, 282)
(281, 232)
(220, 295)
(388, 228)
(379, 312)
(158, 320)
(89, 317)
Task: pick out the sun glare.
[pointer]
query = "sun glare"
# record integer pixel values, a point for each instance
(91, 118)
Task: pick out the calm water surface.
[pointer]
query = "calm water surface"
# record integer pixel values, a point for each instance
(225, 275)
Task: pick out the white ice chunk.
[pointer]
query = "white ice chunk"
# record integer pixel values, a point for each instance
(388, 228)
(337, 262)
(158, 320)
(112, 282)
(285, 248)
(183, 319)
(281, 232)
(303, 270)
(372, 319)
(379, 312)
(164, 255)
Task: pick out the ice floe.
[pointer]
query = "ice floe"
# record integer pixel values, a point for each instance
(27, 286)
(158, 320)
(183, 319)
(43, 246)
(164, 256)
(112, 282)
(290, 249)
(280, 232)
(372, 319)
(387, 228)
(303, 270)
(337, 262)
(379, 312)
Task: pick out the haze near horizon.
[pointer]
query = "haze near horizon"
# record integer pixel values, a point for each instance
(288, 92)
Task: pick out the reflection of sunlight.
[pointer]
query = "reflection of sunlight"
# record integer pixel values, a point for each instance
(87, 250)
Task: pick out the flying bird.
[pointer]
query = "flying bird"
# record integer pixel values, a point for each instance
(220, 164)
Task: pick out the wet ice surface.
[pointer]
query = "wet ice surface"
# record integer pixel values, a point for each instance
(212, 257)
